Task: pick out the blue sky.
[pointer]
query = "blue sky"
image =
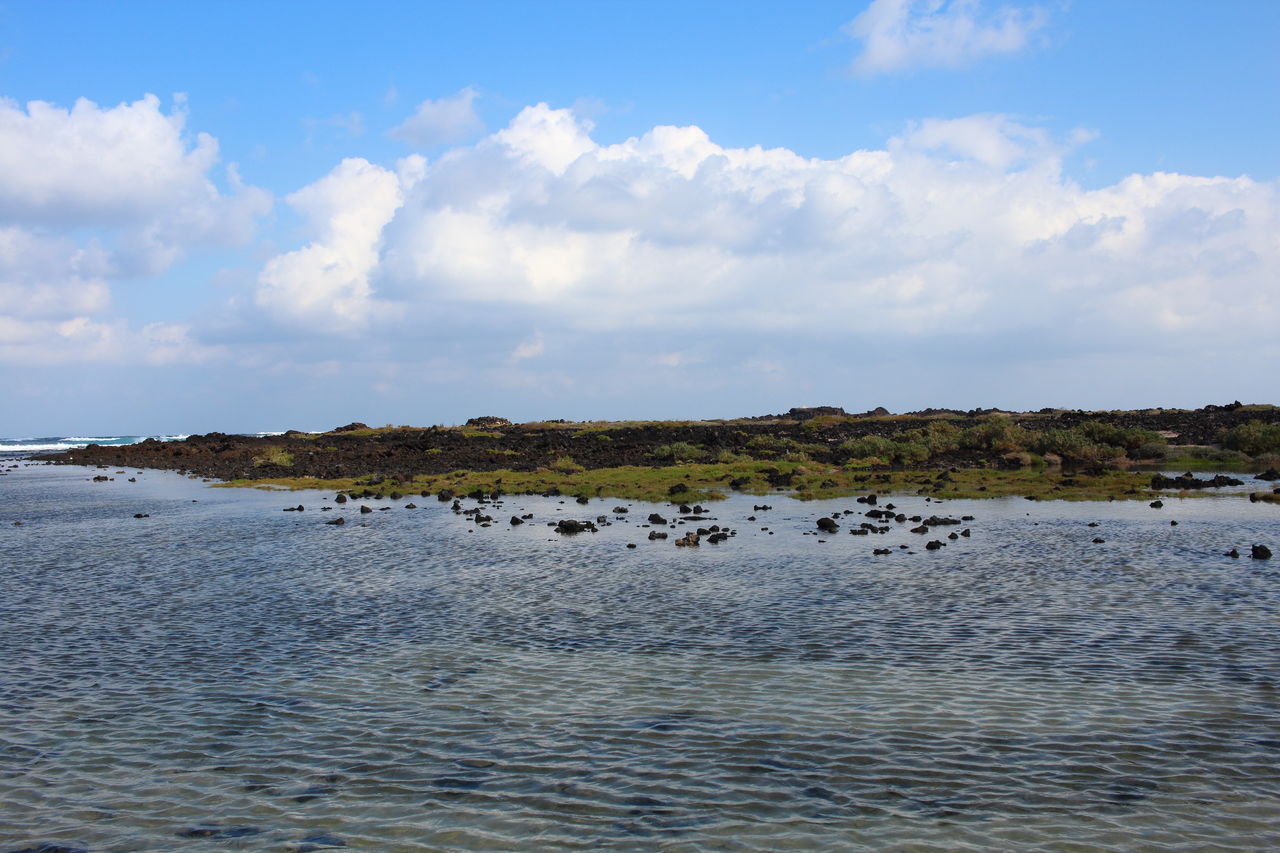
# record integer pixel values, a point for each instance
(242, 217)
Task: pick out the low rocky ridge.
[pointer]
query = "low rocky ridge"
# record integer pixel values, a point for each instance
(822, 434)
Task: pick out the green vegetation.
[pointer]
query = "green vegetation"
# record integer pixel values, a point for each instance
(680, 451)
(1088, 445)
(479, 433)
(566, 465)
(273, 456)
(1253, 438)
(712, 481)
(1193, 457)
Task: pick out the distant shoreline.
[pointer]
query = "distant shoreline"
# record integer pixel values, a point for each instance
(809, 453)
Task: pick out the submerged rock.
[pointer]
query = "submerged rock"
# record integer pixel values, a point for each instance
(571, 526)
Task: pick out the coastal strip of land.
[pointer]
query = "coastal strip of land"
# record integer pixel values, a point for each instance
(808, 453)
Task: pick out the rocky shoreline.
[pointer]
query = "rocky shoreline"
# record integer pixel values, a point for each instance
(800, 440)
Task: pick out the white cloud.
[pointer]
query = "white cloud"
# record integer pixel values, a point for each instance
(530, 348)
(43, 277)
(446, 120)
(961, 235)
(90, 195)
(899, 35)
(128, 166)
(327, 281)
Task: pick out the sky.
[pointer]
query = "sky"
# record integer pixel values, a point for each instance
(242, 217)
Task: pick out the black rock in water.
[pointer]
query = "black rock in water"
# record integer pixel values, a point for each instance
(571, 526)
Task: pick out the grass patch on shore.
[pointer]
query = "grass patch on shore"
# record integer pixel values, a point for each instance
(273, 456)
(713, 481)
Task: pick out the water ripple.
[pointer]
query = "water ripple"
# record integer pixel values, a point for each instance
(222, 675)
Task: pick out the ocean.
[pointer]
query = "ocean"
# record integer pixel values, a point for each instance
(219, 674)
(21, 447)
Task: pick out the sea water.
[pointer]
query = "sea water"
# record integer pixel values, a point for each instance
(222, 675)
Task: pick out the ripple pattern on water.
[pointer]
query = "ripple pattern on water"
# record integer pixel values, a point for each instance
(225, 676)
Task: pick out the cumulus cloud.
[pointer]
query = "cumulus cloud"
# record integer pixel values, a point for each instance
(446, 120)
(90, 195)
(900, 35)
(325, 285)
(960, 236)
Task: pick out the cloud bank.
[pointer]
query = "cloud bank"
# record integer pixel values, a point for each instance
(539, 264)
(902, 35)
(958, 230)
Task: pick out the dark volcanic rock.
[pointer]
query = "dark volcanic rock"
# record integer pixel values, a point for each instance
(488, 422)
(828, 525)
(1160, 482)
(1260, 552)
(571, 526)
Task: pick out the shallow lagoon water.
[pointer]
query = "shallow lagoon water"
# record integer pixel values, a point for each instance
(223, 675)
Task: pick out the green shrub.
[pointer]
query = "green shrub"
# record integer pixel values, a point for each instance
(566, 465)
(277, 456)
(1130, 438)
(938, 437)
(868, 447)
(679, 451)
(996, 435)
(1151, 450)
(1253, 438)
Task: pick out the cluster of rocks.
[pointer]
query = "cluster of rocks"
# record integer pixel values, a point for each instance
(1161, 483)
(1257, 552)
(888, 513)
